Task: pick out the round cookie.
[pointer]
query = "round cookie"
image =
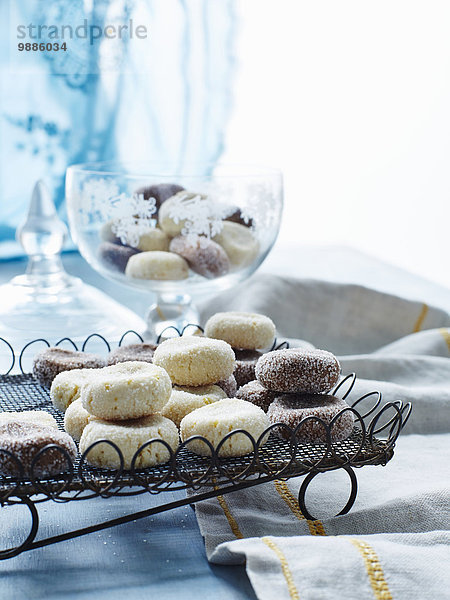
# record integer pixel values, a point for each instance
(204, 256)
(75, 419)
(290, 409)
(128, 390)
(107, 234)
(229, 386)
(216, 420)
(168, 216)
(297, 370)
(25, 440)
(181, 403)
(132, 352)
(257, 394)
(244, 330)
(38, 417)
(129, 436)
(160, 192)
(48, 363)
(246, 360)
(114, 256)
(162, 266)
(193, 360)
(239, 243)
(66, 387)
(154, 239)
(202, 390)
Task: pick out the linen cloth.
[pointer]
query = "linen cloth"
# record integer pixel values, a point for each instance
(394, 543)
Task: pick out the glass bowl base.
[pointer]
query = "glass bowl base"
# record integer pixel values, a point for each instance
(171, 313)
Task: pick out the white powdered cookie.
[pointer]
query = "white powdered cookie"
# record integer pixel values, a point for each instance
(75, 419)
(38, 417)
(239, 243)
(181, 402)
(248, 331)
(161, 266)
(66, 386)
(154, 239)
(192, 360)
(127, 390)
(173, 212)
(202, 390)
(129, 436)
(217, 420)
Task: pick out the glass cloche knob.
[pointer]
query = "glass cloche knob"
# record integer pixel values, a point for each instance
(47, 302)
(43, 233)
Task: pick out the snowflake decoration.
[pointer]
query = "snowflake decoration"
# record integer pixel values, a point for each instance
(200, 215)
(94, 199)
(130, 216)
(135, 218)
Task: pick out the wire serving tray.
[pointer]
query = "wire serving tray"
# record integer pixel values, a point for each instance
(377, 427)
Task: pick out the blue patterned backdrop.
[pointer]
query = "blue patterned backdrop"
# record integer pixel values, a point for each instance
(167, 97)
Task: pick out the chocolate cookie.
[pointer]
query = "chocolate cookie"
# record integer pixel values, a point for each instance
(296, 370)
(48, 363)
(25, 440)
(160, 192)
(244, 371)
(257, 394)
(204, 256)
(140, 352)
(291, 409)
(114, 256)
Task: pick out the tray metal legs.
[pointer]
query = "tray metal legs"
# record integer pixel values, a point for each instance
(310, 477)
(31, 544)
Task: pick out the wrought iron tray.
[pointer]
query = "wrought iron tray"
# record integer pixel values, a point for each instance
(377, 427)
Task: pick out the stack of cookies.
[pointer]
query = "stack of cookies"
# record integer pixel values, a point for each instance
(201, 370)
(120, 403)
(247, 333)
(291, 385)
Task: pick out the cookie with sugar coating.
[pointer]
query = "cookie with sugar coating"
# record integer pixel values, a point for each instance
(181, 403)
(229, 386)
(127, 390)
(257, 394)
(292, 409)
(217, 420)
(141, 352)
(239, 243)
(25, 440)
(75, 419)
(244, 371)
(66, 386)
(48, 363)
(193, 360)
(154, 239)
(170, 214)
(204, 256)
(245, 330)
(157, 265)
(38, 417)
(298, 370)
(160, 192)
(129, 436)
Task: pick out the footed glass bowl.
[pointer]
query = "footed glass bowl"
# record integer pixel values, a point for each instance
(178, 232)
